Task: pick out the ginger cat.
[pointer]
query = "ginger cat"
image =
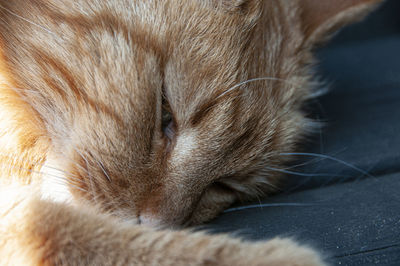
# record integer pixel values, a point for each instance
(122, 115)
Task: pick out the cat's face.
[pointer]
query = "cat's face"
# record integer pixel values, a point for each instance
(154, 110)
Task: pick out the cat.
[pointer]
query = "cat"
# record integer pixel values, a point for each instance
(124, 115)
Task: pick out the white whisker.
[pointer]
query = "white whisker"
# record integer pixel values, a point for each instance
(329, 158)
(315, 160)
(104, 170)
(302, 174)
(91, 181)
(28, 21)
(253, 80)
(42, 165)
(254, 206)
(76, 181)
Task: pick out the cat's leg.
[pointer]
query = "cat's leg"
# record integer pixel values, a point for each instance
(38, 232)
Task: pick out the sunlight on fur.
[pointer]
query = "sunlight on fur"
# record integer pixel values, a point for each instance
(161, 113)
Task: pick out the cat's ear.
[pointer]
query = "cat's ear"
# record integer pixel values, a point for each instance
(322, 18)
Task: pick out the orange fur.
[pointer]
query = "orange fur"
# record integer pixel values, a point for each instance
(22, 140)
(156, 112)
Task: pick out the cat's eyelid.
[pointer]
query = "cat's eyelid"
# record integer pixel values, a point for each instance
(168, 125)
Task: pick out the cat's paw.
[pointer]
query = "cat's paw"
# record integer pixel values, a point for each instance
(226, 251)
(286, 252)
(13, 200)
(18, 246)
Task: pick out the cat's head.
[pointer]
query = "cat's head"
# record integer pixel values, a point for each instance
(166, 112)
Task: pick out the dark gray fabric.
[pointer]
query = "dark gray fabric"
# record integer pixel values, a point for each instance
(352, 216)
(361, 112)
(355, 223)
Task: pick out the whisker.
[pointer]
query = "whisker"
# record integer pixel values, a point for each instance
(302, 174)
(315, 160)
(91, 182)
(27, 169)
(255, 206)
(83, 169)
(264, 182)
(72, 178)
(253, 80)
(70, 175)
(104, 170)
(64, 179)
(28, 21)
(329, 158)
(68, 183)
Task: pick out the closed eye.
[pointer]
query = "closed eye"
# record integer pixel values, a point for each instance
(167, 120)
